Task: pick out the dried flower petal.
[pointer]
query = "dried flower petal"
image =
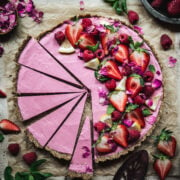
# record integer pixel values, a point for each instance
(128, 122)
(156, 83)
(151, 120)
(172, 62)
(103, 71)
(158, 73)
(103, 99)
(88, 169)
(82, 6)
(1, 51)
(138, 29)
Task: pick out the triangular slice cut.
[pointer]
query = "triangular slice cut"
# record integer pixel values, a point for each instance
(82, 163)
(32, 106)
(43, 129)
(30, 81)
(62, 143)
(35, 57)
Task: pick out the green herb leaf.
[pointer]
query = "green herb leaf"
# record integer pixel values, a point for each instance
(124, 5)
(146, 112)
(36, 164)
(20, 176)
(31, 177)
(111, 28)
(93, 48)
(100, 77)
(110, 1)
(7, 173)
(130, 107)
(1, 138)
(152, 68)
(110, 109)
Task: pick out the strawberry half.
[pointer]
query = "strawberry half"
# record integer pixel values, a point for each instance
(136, 116)
(120, 135)
(73, 33)
(104, 41)
(118, 99)
(134, 84)
(121, 54)
(86, 40)
(8, 127)
(166, 143)
(111, 70)
(162, 165)
(106, 145)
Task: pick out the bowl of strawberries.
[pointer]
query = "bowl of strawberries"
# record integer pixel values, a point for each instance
(164, 10)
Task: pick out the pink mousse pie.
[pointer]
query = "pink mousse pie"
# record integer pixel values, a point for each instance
(82, 162)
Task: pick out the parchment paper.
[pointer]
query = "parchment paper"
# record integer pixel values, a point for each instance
(57, 11)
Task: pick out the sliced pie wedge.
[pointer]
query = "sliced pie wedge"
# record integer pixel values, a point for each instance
(81, 162)
(30, 82)
(32, 106)
(43, 129)
(35, 57)
(61, 145)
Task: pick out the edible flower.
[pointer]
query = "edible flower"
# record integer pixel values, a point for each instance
(138, 29)
(103, 99)
(172, 62)
(82, 6)
(156, 83)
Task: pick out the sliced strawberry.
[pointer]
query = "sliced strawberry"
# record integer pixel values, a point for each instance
(86, 40)
(104, 41)
(140, 58)
(162, 165)
(105, 145)
(111, 70)
(120, 135)
(166, 143)
(73, 33)
(8, 127)
(136, 116)
(122, 53)
(134, 135)
(119, 99)
(134, 84)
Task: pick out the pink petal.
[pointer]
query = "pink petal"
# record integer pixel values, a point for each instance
(82, 6)
(138, 29)
(128, 122)
(151, 120)
(156, 83)
(172, 62)
(1, 51)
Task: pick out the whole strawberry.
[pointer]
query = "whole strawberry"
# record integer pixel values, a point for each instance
(162, 165)
(157, 3)
(60, 37)
(2, 94)
(133, 17)
(173, 8)
(110, 85)
(30, 157)
(166, 143)
(88, 55)
(14, 149)
(165, 41)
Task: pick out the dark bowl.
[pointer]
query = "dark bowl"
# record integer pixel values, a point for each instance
(162, 16)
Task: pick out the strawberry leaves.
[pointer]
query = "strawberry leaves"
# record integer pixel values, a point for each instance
(1, 137)
(130, 107)
(32, 174)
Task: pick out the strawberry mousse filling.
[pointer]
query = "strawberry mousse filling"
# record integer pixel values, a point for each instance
(110, 56)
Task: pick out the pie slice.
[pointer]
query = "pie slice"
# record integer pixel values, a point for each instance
(35, 57)
(61, 145)
(32, 106)
(30, 82)
(41, 131)
(82, 163)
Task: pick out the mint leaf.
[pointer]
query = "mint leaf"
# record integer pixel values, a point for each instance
(152, 68)
(31, 177)
(93, 48)
(111, 28)
(21, 176)
(110, 109)
(146, 112)
(130, 107)
(1, 137)
(36, 164)
(100, 77)
(7, 173)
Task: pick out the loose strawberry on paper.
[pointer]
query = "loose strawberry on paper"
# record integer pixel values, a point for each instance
(2, 94)
(30, 157)
(173, 8)
(14, 149)
(120, 135)
(73, 33)
(111, 70)
(162, 165)
(121, 53)
(8, 126)
(166, 143)
(119, 100)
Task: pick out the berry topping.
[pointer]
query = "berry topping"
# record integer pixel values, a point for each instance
(157, 3)
(133, 17)
(173, 8)
(165, 41)
(14, 149)
(148, 76)
(86, 22)
(100, 54)
(30, 157)
(59, 36)
(110, 85)
(148, 90)
(126, 70)
(124, 38)
(116, 115)
(99, 126)
(134, 135)
(139, 100)
(88, 55)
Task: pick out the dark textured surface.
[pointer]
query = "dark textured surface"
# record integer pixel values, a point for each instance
(159, 15)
